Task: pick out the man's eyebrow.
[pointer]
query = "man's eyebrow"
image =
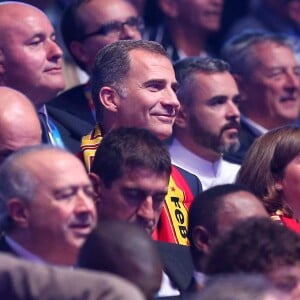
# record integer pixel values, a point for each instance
(154, 81)
(217, 98)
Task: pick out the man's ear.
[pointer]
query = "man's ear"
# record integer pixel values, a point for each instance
(169, 7)
(18, 211)
(95, 179)
(201, 239)
(181, 119)
(278, 185)
(109, 98)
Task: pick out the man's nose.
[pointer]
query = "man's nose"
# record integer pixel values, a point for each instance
(146, 210)
(233, 110)
(54, 50)
(84, 203)
(130, 33)
(292, 80)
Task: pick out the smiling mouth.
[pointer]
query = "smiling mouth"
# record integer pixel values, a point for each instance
(169, 119)
(54, 70)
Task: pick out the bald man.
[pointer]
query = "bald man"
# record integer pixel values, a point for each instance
(19, 124)
(214, 212)
(126, 250)
(31, 62)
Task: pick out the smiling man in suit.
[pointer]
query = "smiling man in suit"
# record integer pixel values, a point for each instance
(134, 85)
(88, 26)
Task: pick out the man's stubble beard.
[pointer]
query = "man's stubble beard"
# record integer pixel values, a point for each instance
(204, 137)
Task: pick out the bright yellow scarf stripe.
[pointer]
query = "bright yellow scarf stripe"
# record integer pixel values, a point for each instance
(177, 212)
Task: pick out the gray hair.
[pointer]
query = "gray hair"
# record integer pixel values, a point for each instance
(17, 182)
(186, 68)
(239, 51)
(112, 64)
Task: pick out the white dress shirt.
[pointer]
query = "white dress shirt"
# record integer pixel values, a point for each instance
(210, 174)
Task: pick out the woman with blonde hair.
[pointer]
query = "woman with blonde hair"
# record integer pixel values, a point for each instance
(271, 169)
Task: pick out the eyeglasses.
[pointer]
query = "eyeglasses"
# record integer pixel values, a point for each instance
(116, 27)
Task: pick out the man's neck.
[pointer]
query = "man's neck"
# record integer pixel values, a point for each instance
(199, 150)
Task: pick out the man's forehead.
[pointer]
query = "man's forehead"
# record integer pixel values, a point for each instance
(104, 11)
(26, 26)
(147, 60)
(132, 173)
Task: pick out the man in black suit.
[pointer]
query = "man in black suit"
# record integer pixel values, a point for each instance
(267, 73)
(87, 26)
(132, 170)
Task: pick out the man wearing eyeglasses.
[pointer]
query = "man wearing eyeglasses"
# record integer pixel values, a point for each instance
(88, 26)
(47, 205)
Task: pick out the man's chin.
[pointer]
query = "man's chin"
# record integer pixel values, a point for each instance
(230, 146)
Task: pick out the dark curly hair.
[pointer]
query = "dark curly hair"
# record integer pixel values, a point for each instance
(254, 246)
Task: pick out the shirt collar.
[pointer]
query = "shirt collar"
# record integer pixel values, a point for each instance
(22, 252)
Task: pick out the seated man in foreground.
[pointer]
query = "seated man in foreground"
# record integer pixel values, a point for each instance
(46, 204)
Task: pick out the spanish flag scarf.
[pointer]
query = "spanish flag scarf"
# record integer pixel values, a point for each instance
(172, 226)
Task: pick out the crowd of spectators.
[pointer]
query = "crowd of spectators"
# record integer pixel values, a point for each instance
(150, 149)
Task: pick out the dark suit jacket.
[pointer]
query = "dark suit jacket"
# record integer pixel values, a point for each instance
(246, 137)
(74, 102)
(72, 116)
(192, 180)
(4, 247)
(71, 128)
(178, 265)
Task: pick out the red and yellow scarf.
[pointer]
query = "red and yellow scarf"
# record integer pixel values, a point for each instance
(173, 222)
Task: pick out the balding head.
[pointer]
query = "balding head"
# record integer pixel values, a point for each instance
(19, 124)
(126, 250)
(237, 206)
(217, 210)
(47, 202)
(30, 59)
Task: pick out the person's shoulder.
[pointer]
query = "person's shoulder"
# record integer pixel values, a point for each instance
(25, 280)
(4, 247)
(67, 96)
(177, 263)
(191, 179)
(173, 247)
